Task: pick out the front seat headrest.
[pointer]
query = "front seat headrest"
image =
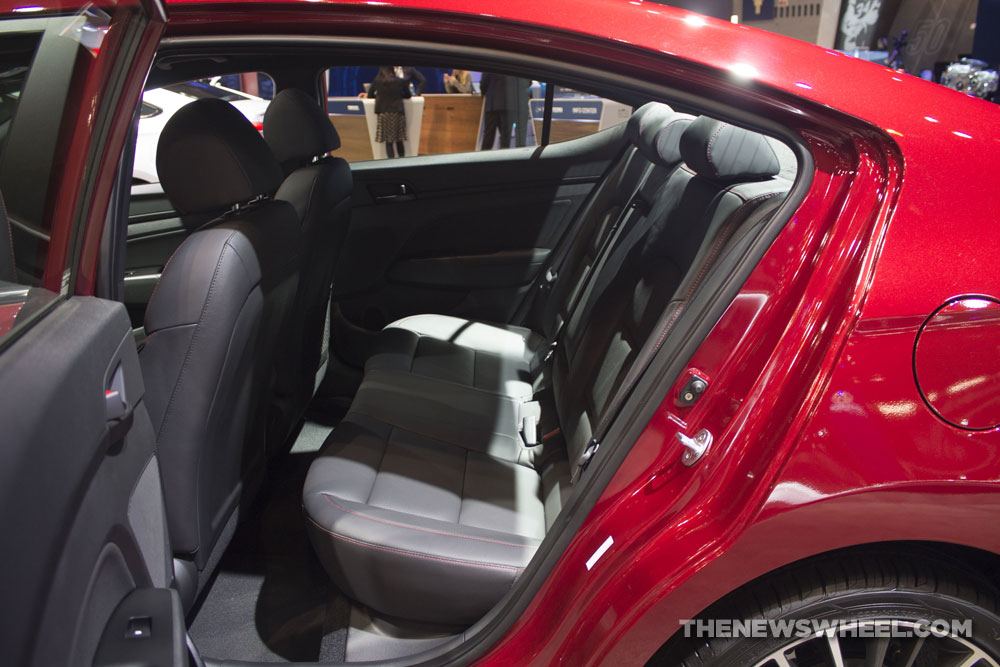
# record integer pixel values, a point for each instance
(209, 157)
(297, 129)
(723, 152)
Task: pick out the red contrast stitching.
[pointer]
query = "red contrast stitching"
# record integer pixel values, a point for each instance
(708, 150)
(423, 530)
(10, 239)
(662, 134)
(411, 553)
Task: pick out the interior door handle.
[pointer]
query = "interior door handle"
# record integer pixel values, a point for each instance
(402, 194)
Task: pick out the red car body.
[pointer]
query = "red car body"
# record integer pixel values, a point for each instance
(823, 439)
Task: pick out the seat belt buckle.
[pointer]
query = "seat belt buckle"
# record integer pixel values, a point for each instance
(530, 413)
(584, 460)
(545, 284)
(548, 354)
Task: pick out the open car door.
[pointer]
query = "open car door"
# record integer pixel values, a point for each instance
(86, 574)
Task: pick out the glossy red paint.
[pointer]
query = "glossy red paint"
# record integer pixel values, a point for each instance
(822, 439)
(8, 312)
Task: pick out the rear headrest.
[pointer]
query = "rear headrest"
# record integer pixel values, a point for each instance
(643, 125)
(724, 152)
(297, 129)
(668, 139)
(210, 157)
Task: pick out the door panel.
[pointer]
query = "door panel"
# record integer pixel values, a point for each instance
(80, 495)
(504, 268)
(462, 234)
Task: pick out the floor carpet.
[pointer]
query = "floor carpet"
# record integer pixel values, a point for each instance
(271, 600)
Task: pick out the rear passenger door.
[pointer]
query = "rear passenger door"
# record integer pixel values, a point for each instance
(466, 227)
(86, 556)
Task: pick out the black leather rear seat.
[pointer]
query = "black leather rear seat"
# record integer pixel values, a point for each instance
(507, 359)
(425, 503)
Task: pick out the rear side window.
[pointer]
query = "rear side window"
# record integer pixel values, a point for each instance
(577, 114)
(435, 111)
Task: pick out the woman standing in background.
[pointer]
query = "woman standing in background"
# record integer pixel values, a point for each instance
(390, 87)
(459, 81)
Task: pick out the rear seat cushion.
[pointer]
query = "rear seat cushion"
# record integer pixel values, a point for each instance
(479, 421)
(422, 529)
(493, 357)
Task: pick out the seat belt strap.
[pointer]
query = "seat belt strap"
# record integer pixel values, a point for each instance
(636, 205)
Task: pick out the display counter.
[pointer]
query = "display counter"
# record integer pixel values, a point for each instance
(573, 118)
(356, 124)
(452, 123)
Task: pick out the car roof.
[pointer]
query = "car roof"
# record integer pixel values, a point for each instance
(862, 89)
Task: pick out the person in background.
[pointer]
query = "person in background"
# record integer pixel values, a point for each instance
(518, 95)
(411, 75)
(495, 109)
(389, 91)
(459, 81)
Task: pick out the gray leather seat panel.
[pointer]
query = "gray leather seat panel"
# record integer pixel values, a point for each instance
(492, 357)
(402, 521)
(449, 412)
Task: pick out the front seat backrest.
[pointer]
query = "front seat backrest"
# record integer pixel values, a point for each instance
(319, 186)
(208, 324)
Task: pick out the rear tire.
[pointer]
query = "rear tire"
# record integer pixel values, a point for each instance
(863, 589)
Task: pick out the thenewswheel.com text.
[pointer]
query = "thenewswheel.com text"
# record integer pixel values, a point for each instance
(760, 628)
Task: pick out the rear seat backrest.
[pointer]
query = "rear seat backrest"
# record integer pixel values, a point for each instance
(608, 203)
(655, 263)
